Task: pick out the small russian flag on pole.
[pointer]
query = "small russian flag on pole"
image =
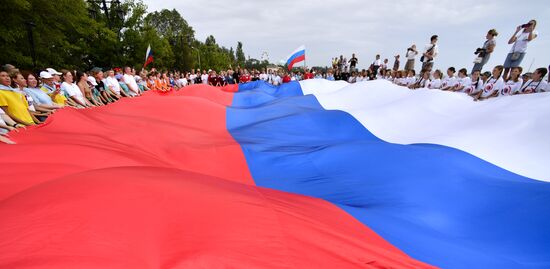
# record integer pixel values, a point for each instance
(298, 55)
(148, 56)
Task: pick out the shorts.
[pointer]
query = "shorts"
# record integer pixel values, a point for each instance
(508, 63)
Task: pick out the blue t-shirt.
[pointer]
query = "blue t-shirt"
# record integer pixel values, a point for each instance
(39, 96)
(229, 80)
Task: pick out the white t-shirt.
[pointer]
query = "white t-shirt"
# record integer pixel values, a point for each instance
(182, 82)
(434, 50)
(277, 80)
(473, 87)
(192, 78)
(521, 43)
(434, 84)
(511, 87)
(411, 55)
(425, 83)
(131, 82)
(410, 81)
(464, 82)
(204, 78)
(2, 122)
(30, 101)
(534, 86)
(112, 83)
(492, 85)
(377, 62)
(449, 82)
(72, 90)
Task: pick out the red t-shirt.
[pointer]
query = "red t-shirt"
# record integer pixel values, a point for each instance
(286, 79)
(244, 78)
(308, 76)
(212, 80)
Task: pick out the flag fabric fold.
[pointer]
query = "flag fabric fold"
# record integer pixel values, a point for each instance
(315, 174)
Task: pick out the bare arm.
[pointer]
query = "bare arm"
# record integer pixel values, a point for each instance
(531, 36)
(491, 48)
(15, 118)
(514, 37)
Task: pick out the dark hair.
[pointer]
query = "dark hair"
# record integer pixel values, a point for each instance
(520, 69)
(438, 72)
(79, 75)
(493, 32)
(434, 37)
(542, 71)
(452, 69)
(463, 71)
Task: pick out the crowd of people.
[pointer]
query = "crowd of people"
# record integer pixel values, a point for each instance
(28, 98)
(506, 79)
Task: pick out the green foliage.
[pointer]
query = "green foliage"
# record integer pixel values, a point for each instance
(78, 34)
(240, 54)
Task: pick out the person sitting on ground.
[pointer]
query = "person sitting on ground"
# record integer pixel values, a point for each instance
(100, 89)
(476, 84)
(130, 81)
(82, 83)
(18, 83)
(14, 103)
(41, 99)
(514, 82)
(462, 82)
(422, 81)
(435, 83)
(69, 88)
(112, 84)
(526, 77)
(450, 81)
(410, 79)
(537, 83)
(493, 86)
(52, 88)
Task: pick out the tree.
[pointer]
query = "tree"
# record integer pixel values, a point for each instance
(232, 56)
(64, 34)
(77, 34)
(240, 54)
(171, 26)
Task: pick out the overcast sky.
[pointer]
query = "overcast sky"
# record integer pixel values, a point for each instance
(330, 28)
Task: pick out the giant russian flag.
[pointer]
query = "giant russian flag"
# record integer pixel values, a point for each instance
(315, 174)
(298, 55)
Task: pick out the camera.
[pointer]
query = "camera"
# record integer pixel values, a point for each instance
(409, 49)
(526, 25)
(480, 51)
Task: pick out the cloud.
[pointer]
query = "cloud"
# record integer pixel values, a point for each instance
(331, 28)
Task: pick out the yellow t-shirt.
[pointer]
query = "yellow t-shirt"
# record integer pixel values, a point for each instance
(58, 98)
(17, 105)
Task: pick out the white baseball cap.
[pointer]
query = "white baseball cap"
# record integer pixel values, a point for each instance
(52, 71)
(92, 80)
(45, 75)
